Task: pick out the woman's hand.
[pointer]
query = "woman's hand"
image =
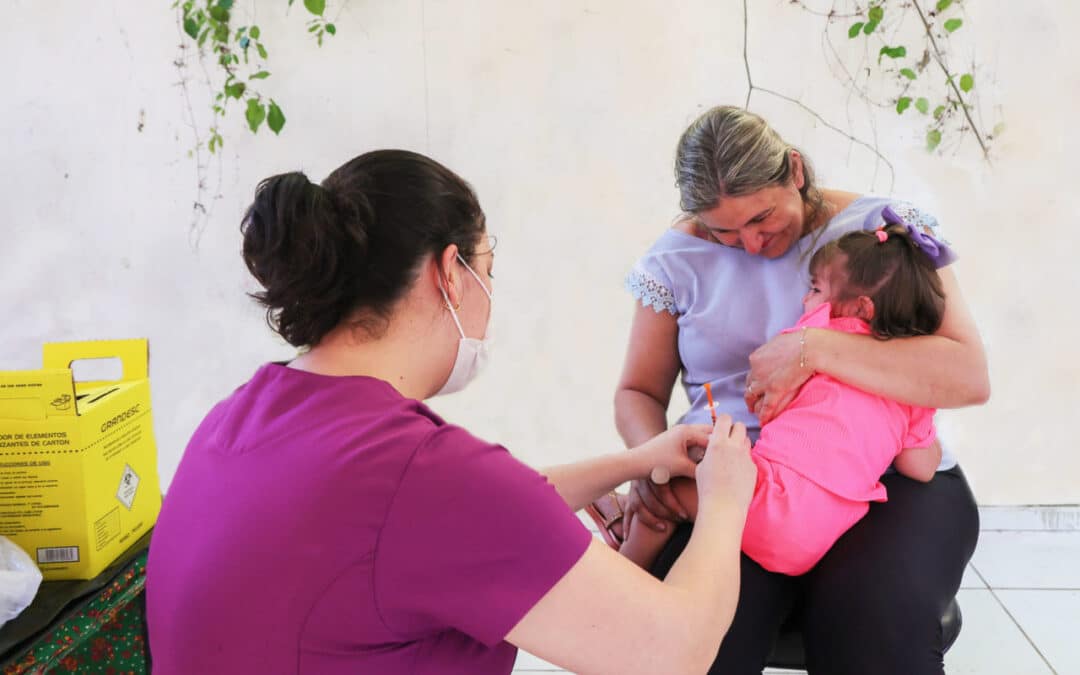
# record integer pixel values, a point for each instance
(775, 376)
(677, 449)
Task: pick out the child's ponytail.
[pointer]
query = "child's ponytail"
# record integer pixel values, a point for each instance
(897, 272)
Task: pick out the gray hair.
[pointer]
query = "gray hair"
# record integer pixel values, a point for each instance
(728, 152)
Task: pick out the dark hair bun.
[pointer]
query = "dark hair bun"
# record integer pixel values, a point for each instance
(348, 249)
(296, 237)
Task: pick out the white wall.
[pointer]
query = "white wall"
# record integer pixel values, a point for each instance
(564, 116)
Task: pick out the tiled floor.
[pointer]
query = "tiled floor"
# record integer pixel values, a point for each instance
(1020, 598)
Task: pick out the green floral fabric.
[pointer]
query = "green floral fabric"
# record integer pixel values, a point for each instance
(106, 636)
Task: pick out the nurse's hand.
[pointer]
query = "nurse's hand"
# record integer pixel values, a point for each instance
(727, 474)
(775, 376)
(678, 450)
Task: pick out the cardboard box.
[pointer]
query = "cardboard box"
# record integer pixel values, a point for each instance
(78, 463)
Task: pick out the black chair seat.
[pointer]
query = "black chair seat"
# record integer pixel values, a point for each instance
(788, 650)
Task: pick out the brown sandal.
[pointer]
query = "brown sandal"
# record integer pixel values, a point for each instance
(605, 523)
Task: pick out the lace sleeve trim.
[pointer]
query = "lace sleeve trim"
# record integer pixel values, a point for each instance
(650, 291)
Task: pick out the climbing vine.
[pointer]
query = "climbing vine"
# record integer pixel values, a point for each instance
(907, 44)
(240, 55)
(907, 64)
(224, 49)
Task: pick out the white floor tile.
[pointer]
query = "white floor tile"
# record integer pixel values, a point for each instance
(528, 663)
(990, 643)
(971, 579)
(1029, 518)
(1050, 619)
(1029, 559)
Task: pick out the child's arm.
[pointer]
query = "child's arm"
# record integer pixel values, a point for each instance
(919, 463)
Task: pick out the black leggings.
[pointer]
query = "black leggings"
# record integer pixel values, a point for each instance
(873, 604)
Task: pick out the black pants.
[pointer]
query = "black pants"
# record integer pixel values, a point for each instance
(873, 604)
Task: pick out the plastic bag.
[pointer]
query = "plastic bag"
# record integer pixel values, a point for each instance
(19, 580)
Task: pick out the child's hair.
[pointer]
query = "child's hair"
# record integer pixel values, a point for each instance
(900, 279)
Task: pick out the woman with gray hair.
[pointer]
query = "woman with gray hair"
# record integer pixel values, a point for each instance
(713, 294)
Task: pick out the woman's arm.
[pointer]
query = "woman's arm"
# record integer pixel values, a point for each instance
(606, 615)
(648, 377)
(641, 401)
(944, 370)
(581, 483)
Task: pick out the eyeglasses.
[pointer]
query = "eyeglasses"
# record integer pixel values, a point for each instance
(492, 241)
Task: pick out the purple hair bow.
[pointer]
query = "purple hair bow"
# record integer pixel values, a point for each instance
(935, 249)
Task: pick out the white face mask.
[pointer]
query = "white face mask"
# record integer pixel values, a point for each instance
(472, 354)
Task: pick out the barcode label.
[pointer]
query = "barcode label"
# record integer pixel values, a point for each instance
(58, 554)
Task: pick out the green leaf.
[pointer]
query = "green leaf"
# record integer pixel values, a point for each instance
(939, 111)
(922, 105)
(892, 52)
(902, 104)
(255, 32)
(261, 75)
(235, 90)
(255, 114)
(943, 5)
(933, 139)
(869, 27)
(313, 27)
(877, 14)
(225, 4)
(854, 30)
(331, 28)
(191, 27)
(219, 13)
(202, 37)
(261, 50)
(953, 24)
(908, 73)
(967, 82)
(276, 119)
(316, 7)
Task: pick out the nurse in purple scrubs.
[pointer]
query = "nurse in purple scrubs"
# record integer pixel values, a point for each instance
(324, 520)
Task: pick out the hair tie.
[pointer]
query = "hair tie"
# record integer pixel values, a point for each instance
(881, 235)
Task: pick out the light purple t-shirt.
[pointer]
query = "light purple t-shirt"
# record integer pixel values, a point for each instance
(729, 302)
(328, 525)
